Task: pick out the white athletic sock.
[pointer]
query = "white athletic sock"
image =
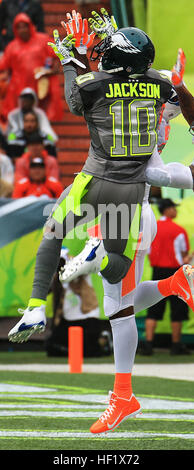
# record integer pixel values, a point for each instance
(146, 295)
(125, 339)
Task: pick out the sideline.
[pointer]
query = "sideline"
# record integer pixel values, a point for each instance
(168, 371)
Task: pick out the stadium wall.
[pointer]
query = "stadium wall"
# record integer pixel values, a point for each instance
(170, 26)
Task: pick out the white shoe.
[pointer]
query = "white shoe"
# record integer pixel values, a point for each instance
(88, 261)
(33, 321)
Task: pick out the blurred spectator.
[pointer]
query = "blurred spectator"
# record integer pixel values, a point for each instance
(76, 304)
(35, 150)
(8, 11)
(87, 2)
(17, 141)
(169, 250)
(38, 184)
(4, 82)
(23, 57)
(28, 102)
(86, 6)
(6, 170)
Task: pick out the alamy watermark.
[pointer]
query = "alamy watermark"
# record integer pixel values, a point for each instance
(116, 222)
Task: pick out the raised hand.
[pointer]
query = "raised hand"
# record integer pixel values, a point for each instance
(64, 49)
(104, 26)
(78, 27)
(179, 69)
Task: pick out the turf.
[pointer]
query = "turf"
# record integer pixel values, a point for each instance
(60, 393)
(162, 356)
(100, 383)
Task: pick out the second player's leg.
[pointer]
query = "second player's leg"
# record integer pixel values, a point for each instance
(174, 174)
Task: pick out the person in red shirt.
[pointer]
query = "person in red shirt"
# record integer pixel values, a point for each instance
(35, 148)
(27, 53)
(38, 184)
(169, 251)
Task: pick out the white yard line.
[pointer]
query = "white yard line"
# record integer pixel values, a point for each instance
(86, 435)
(92, 414)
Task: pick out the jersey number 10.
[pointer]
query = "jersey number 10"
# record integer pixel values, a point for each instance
(137, 135)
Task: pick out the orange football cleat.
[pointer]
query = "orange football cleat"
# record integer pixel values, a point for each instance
(118, 410)
(182, 284)
(179, 69)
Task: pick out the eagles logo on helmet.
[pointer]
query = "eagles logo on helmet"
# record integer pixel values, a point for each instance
(128, 49)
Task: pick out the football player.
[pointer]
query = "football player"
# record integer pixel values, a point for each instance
(123, 99)
(128, 296)
(121, 105)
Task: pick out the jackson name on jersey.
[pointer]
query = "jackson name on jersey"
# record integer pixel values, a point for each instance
(133, 90)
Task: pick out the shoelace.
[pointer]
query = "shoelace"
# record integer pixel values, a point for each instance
(108, 412)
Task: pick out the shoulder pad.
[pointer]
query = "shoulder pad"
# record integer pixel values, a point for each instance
(160, 74)
(87, 77)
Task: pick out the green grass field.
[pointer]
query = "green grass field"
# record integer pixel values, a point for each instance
(54, 411)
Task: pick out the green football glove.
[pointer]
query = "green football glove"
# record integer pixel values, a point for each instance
(104, 26)
(64, 49)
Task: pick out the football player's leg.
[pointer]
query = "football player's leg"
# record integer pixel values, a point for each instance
(181, 284)
(120, 232)
(112, 256)
(47, 260)
(119, 307)
(122, 402)
(146, 293)
(174, 174)
(90, 258)
(149, 293)
(88, 261)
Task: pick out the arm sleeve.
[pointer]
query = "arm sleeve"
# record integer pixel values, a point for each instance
(72, 95)
(44, 123)
(186, 101)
